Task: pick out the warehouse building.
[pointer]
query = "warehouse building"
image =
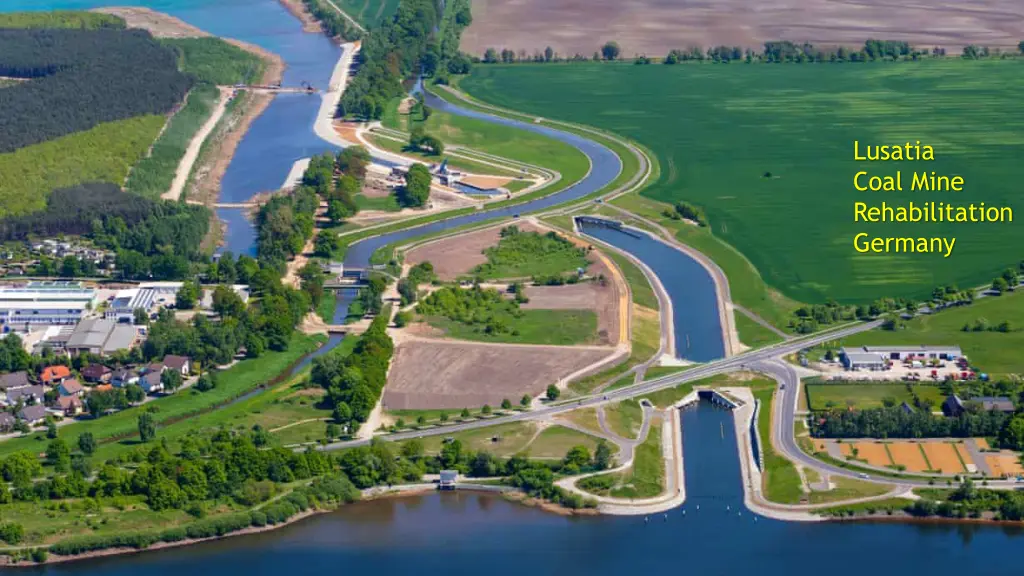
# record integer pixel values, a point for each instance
(122, 307)
(878, 357)
(101, 336)
(44, 303)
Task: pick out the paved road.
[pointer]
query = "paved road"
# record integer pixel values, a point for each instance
(738, 362)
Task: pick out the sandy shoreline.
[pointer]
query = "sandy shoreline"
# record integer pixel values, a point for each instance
(298, 9)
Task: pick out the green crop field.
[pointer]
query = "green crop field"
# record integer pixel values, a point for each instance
(993, 352)
(369, 13)
(717, 129)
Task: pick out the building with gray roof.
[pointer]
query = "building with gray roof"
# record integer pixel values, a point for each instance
(101, 336)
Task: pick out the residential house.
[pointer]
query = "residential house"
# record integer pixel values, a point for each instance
(26, 395)
(178, 363)
(6, 421)
(71, 387)
(97, 373)
(14, 380)
(151, 382)
(123, 377)
(953, 406)
(54, 375)
(70, 406)
(33, 415)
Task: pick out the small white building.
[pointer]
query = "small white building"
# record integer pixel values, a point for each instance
(122, 307)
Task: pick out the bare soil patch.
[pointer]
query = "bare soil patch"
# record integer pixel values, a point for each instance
(908, 454)
(943, 457)
(653, 27)
(874, 453)
(1004, 465)
(486, 182)
(457, 255)
(455, 375)
(298, 9)
(156, 23)
(604, 300)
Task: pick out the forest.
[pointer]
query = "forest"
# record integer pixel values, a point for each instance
(401, 48)
(335, 25)
(82, 78)
(283, 226)
(72, 211)
(61, 19)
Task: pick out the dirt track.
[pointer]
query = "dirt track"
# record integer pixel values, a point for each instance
(653, 27)
(456, 375)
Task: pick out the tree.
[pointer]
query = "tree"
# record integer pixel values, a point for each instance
(227, 302)
(553, 392)
(51, 430)
(11, 532)
(134, 393)
(1021, 46)
(147, 427)
(577, 456)
(610, 51)
(171, 380)
(86, 443)
(188, 295)
(417, 186)
(465, 413)
(506, 404)
(999, 285)
(486, 409)
(139, 317)
(602, 456)
(332, 431)
(491, 55)
(1012, 435)
(525, 400)
(549, 54)
(58, 455)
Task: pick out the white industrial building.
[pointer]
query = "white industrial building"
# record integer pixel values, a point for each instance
(878, 357)
(44, 303)
(122, 307)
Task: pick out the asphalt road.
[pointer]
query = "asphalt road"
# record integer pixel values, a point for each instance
(738, 362)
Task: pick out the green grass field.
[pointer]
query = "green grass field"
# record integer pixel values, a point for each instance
(625, 418)
(369, 13)
(753, 334)
(497, 140)
(717, 129)
(387, 203)
(781, 480)
(645, 479)
(867, 395)
(997, 353)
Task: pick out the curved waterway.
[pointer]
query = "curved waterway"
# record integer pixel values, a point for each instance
(471, 534)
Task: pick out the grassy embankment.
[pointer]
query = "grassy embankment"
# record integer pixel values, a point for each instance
(997, 353)
(799, 239)
(645, 479)
(554, 327)
(212, 62)
(505, 440)
(178, 413)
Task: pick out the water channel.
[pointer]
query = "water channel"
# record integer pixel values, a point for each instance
(471, 534)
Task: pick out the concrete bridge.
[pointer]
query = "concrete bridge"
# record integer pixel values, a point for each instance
(307, 89)
(242, 205)
(345, 329)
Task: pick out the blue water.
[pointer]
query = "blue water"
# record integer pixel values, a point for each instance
(696, 319)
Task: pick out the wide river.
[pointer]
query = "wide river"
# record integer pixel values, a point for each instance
(476, 534)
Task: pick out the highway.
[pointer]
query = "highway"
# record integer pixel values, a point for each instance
(738, 362)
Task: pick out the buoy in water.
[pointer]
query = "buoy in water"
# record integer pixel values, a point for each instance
(666, 517)
(646, 519)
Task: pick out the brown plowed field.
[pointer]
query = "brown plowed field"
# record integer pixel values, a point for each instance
(458, 375)
(909, 455)
(653, 27)
(872, 453)
(1004, 465)
(943, 457)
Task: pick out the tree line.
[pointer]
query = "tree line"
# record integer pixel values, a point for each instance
(895, 423)
(81, 78)
(773, 52)
(335, 25)
(354, 382)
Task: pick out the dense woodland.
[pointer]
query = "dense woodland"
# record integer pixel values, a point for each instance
(895, 423)
(81, 78)
(355, 382)
(404, 47)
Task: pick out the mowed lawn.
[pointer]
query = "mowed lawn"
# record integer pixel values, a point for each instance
(996, 353)
(867, 395)
(717, 129)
